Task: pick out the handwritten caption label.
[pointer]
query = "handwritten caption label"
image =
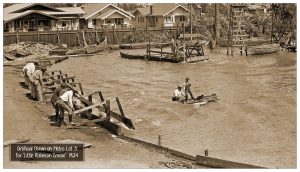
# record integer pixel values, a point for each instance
(46, 152)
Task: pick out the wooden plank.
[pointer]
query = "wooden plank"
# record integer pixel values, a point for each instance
(219, 163)
(118, 117)
(87, 108)
(153, 51)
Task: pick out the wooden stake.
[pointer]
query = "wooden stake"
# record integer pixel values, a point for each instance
(107, 109)
(159, 140)
(206, 152)
(120, 107)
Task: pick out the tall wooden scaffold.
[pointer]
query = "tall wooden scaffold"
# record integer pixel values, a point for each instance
(237, 32)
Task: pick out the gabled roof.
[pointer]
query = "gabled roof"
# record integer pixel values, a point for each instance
(160, 9)
(66, 10)
(92, 9)
(16, 11)
(108, 13)
(23, 6)
(14, 16)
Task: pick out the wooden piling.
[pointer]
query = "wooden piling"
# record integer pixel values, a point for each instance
(206, 152)
(120, 107)
(91, 100)
(107, 108)
(159, 140)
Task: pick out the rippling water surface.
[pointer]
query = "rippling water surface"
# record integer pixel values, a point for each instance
(253, 122)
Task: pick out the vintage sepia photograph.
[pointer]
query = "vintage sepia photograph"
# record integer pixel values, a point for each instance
(149, 85)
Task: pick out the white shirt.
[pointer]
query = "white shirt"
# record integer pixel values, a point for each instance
(67, 97)
(178, 93)
(29, 69)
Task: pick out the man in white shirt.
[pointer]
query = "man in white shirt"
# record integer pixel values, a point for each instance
(28, 71)
(178, 94)
(65, 102)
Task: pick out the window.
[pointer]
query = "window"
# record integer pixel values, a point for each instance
(119, 21)
(169, 19)
(94, 21)
(182, 18)
(66, 23)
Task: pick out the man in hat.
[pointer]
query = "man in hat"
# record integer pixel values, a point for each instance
(65, 103)
(178, 94)
(38, 83)
(28, 71)
(187, 88)
(59, 90)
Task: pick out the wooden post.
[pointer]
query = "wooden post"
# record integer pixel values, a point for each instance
(97, 38)
(113, 35)
(38, 35)
(81, 89)
(91, 100)
(206, 152)
(58, 39)
(228, 32)
(159, 140)
(161, 49)
(101, 96)
(107, 109)
(85, 44)
(120, 107)
(17, 35)
(246, 50)
(272, 25)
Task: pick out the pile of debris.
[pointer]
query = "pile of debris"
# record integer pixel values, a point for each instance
(24, 49)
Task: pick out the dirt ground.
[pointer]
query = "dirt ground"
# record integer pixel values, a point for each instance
(26, 118)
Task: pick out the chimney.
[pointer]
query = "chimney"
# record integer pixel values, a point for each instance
(151, 9)
(74, 5)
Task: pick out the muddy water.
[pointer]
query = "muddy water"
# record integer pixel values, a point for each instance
(253, 122)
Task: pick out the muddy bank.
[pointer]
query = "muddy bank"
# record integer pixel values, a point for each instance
(26, 118)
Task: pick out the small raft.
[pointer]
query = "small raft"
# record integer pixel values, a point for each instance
(263, 49)
(202, 100)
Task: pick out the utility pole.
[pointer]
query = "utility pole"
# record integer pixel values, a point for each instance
(217, 21)
(191, 23)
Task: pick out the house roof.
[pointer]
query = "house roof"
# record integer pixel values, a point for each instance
(109, 13)
(92, 9)
(13, 12)
(144, 11)
(22, 6)
(66, 10)
(14, 16)
(159, 9)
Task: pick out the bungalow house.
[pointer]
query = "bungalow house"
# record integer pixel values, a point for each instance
(258, 9)
(160, 15)
(36, 16)
(101, 15)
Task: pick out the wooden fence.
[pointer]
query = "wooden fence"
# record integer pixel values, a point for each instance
(75, 37)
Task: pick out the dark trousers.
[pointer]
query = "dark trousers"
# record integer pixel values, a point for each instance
(188, 90)
(62, 107)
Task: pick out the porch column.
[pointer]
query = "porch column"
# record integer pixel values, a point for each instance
(90, 23)
(76, 24)
(11, 26)
(53, 24)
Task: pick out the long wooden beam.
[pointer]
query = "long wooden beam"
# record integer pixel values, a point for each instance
(220, 163)
(87, 108)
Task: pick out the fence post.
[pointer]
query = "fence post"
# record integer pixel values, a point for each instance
(17, 35)
(38, 35)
